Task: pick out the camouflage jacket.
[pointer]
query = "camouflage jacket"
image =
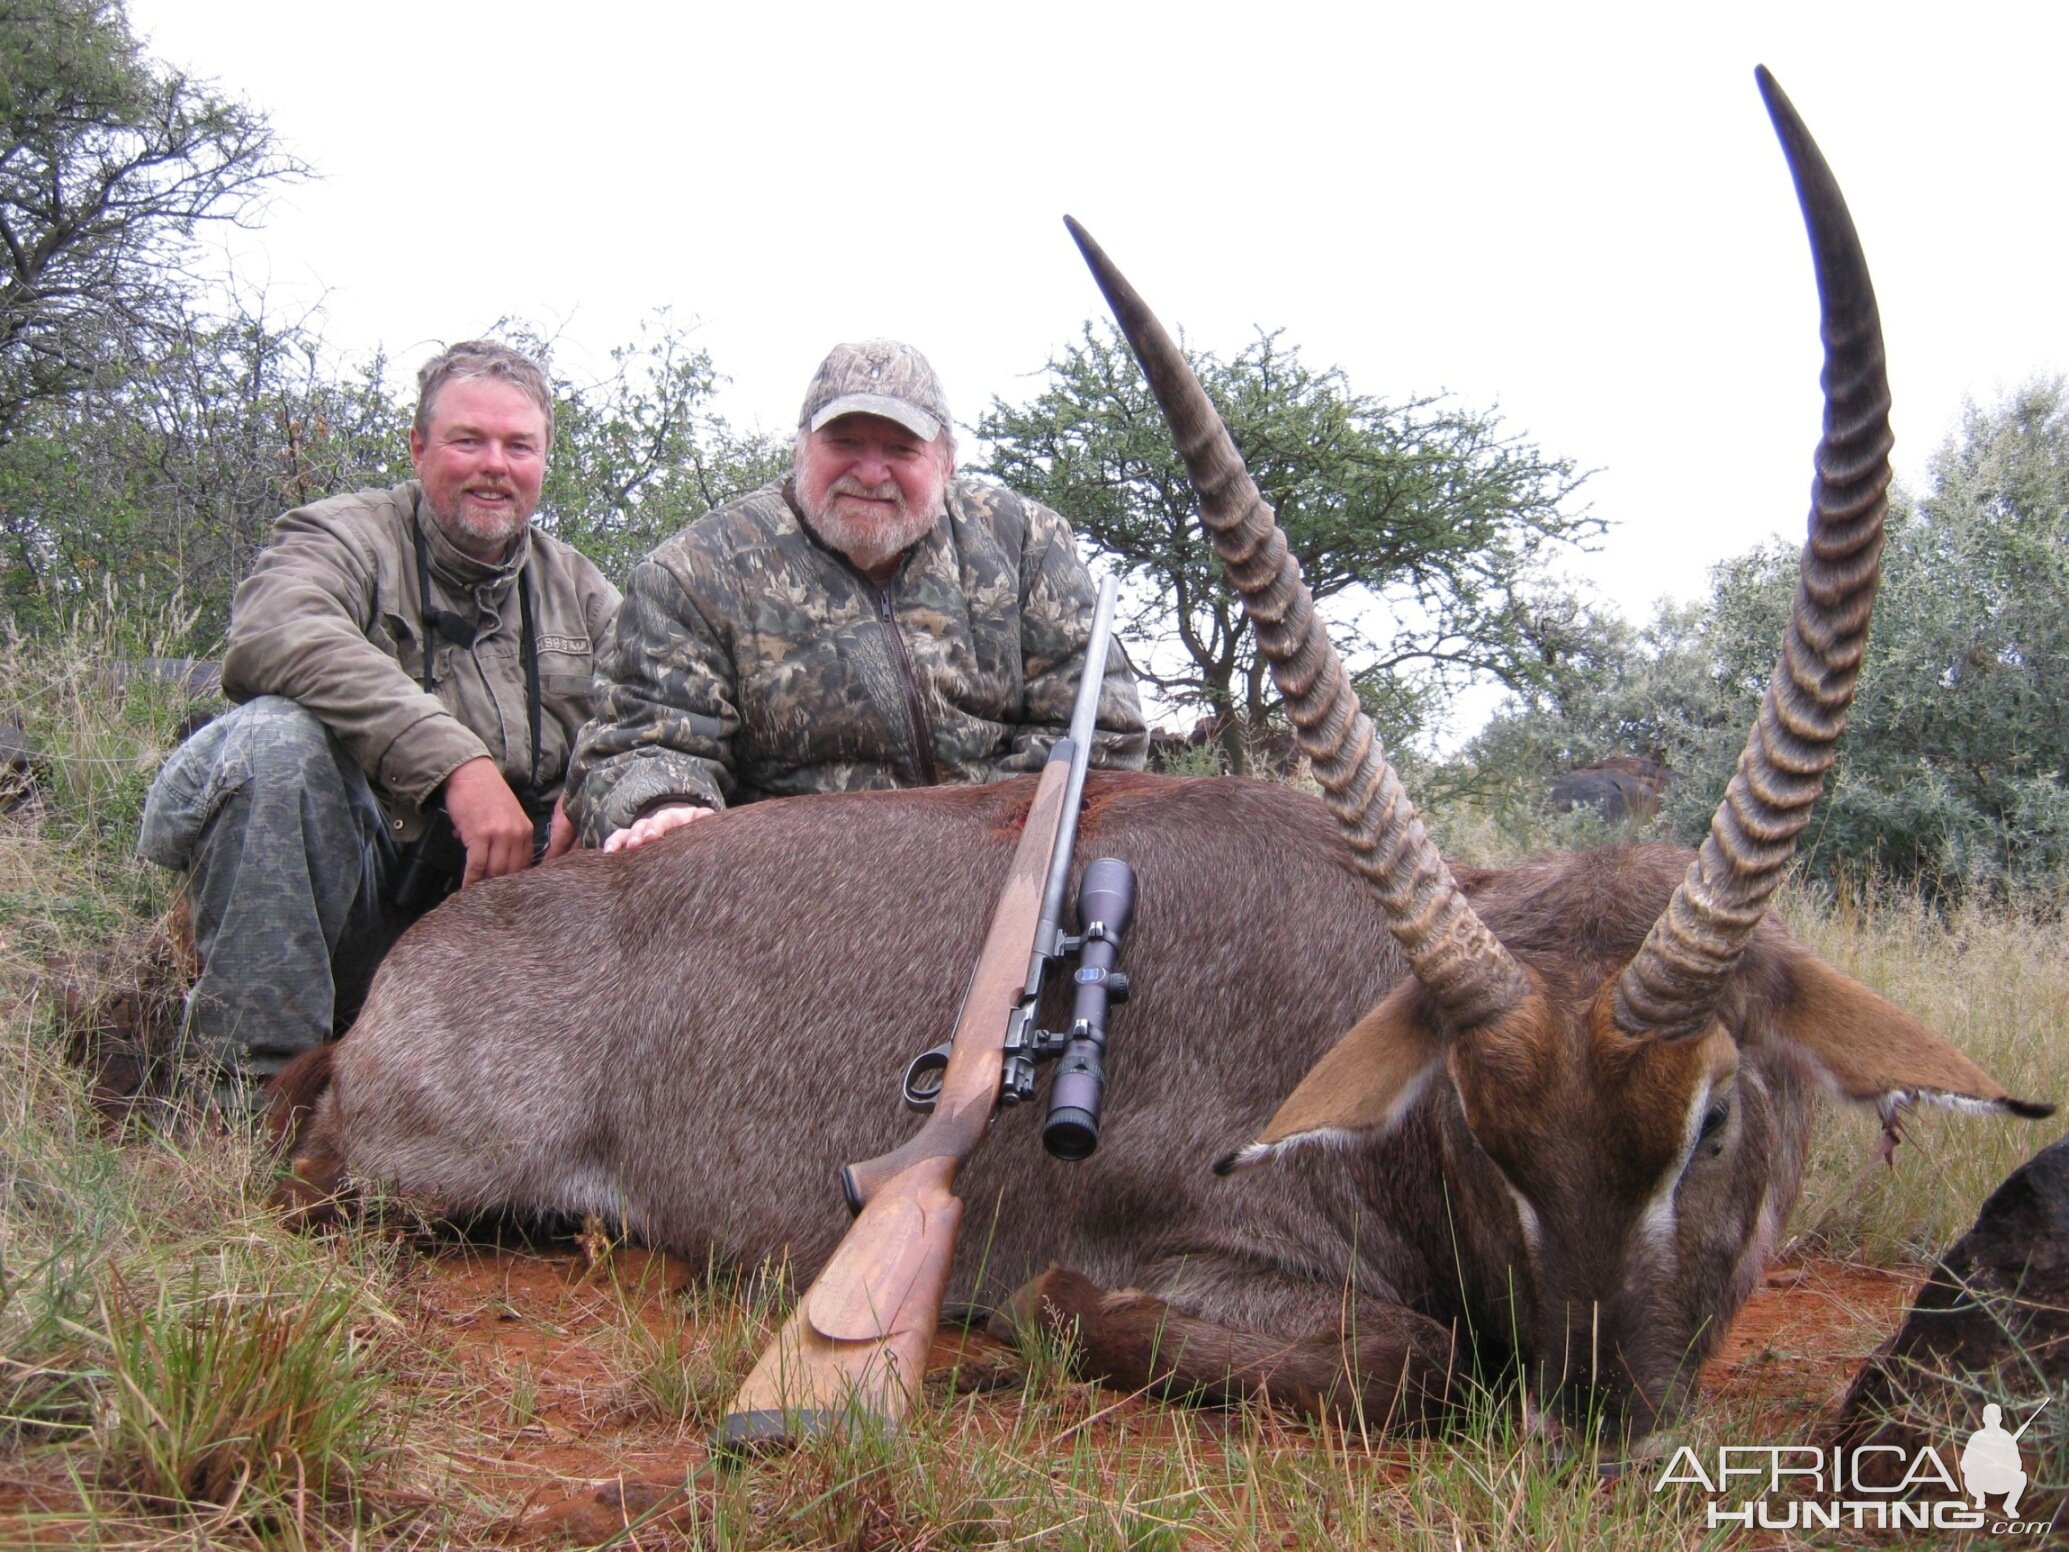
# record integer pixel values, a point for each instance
(751, 661)
(330, 617)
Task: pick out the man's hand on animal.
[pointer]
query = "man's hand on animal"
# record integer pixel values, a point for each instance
(651, 827)
(489, 820)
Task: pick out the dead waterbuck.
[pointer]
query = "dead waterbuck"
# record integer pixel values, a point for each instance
(1560, 1137)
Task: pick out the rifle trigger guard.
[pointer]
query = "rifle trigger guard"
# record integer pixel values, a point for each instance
(922, 1085)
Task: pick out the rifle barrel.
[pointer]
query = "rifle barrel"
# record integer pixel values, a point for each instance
(2044, 1400)
(1084, 719)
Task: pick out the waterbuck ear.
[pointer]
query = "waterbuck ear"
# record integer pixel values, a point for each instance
(1364, 1083)
(1869, 1050)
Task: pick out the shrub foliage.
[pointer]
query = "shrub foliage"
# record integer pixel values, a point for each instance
(1951, 772)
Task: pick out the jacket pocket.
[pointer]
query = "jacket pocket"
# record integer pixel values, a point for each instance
(566, 686)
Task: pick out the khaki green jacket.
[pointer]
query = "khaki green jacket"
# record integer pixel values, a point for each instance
(330, 618)
(752, 661)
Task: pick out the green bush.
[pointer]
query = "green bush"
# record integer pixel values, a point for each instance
(1950, 777)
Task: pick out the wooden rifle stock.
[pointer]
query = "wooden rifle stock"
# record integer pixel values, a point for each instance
(856, 1345)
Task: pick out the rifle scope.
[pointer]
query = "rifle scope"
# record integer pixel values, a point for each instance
(1106, 901)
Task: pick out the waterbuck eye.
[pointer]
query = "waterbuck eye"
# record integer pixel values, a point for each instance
(1713, 1122)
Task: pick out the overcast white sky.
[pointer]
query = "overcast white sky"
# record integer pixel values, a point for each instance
(1575, 212)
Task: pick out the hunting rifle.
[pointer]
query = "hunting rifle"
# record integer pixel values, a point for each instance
(855, 1348)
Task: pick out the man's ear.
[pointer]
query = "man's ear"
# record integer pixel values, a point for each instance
(1867, 1049)
(416, 447)
(1363, 1084)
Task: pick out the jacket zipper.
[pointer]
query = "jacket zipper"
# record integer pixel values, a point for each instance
(923, 739)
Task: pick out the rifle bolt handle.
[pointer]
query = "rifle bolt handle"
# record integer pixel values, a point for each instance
(1017, 1081)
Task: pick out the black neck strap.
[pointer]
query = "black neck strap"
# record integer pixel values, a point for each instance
(460, 633)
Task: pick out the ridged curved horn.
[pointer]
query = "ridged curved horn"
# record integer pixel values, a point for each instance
(1671, 987)
(1451, 951)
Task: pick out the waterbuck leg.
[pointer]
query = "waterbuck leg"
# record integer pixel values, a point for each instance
(305, 1129)
(1389, 1368)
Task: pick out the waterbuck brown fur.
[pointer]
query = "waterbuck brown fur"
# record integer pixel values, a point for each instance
(1559, 1137)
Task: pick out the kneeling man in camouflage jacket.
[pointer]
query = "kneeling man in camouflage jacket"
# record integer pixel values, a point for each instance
(872, 620)
(413, 665)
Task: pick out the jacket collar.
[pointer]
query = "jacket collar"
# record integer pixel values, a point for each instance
(458, 572)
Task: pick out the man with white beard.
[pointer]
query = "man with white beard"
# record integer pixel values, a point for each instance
(871, 620)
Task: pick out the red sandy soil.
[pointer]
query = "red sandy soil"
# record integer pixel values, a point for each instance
(1784, 1365)
(535, 1326)
(1789, 1356)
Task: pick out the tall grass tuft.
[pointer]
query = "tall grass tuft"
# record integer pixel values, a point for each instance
(166, 1352)
(226, 1397)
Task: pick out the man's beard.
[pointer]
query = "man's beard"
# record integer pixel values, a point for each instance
(872, 537)
(486, 533)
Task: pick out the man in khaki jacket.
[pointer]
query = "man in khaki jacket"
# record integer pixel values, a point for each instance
(413, 665)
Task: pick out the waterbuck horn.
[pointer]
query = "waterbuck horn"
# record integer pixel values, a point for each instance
(1671, 987)
(1468, 972)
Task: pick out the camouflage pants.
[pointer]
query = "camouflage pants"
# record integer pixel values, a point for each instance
(286, 851)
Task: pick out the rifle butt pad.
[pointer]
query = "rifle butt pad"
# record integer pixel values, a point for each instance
(854, 1351)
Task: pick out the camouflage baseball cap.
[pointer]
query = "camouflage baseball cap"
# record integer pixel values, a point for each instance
(877, 377)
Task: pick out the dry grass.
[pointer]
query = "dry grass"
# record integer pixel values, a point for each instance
(1993, 980)
(176, 1371)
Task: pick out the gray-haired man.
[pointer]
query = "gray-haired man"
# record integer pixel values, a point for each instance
(873, 620)
(406, 659)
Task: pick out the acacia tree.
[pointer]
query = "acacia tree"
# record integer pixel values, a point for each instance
(1422, 514)
(108, 164)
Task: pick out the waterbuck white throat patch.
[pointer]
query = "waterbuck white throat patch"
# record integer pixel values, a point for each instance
(1526, 1217)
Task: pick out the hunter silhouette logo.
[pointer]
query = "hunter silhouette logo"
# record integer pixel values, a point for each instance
(1990, 1460)
(1869, 1487)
